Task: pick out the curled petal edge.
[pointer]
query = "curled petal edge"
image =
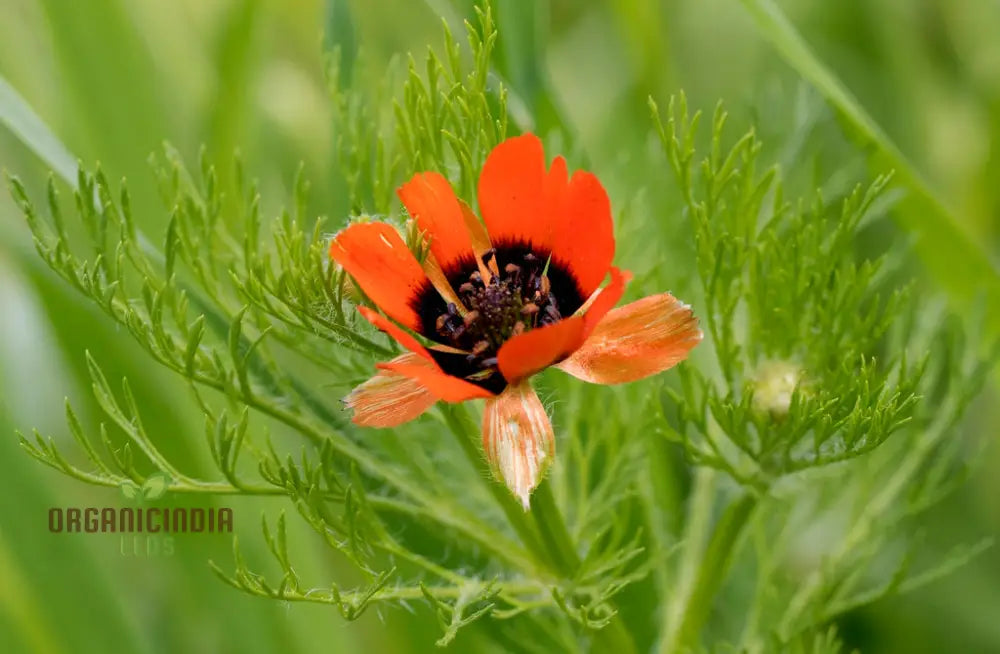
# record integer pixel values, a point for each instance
(518, 439)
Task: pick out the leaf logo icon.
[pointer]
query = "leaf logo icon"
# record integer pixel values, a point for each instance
(155, 487)
(129, 489)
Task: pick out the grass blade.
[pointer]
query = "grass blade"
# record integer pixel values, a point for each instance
(948, 251)
(22, 121)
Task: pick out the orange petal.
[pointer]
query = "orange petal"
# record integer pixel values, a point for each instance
(533, 351)
(570, 218)
(606, 299)
(440, 282)
(431, 201)
(583, 233)
(389, 399)
(376, 257)
(443, 386)
(440, 384)
(480, 241)
(402, 337)
(635, 341)
(518, 439)
(556, 183)
(512, 194)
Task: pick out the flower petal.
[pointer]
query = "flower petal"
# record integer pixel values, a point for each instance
(402, 337)
(443, 386)
(533, 351)
(480, 241)
(441, 284)
(376, 257)
(583, 234)
(518, 439)
(570, 218)
(431, 201)
(635, 341)
(389, 399)
(512, 194)
(606, 299)
(428, 373)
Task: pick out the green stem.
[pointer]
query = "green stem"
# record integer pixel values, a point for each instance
(714, 568)
(614, 637)
(461, 425)
(695, 536)
(552, 527)
(548, 538)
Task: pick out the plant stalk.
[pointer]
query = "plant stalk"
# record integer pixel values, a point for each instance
(462, 426)
(614, 637)
(548, 538)
(712, 562)
(552, 527)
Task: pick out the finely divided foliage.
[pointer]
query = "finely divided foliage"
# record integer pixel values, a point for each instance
(820, 404)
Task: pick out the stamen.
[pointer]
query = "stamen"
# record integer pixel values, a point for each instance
(441, 322)
(499, 302)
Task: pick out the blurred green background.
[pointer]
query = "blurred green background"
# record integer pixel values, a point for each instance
(114, 78)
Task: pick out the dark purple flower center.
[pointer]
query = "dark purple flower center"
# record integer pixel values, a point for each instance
(530, 291)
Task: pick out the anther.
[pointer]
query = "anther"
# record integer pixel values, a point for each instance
(480, 347)
(512, 269)
(529, 309)
(518, 328)
(467, 287)
(470, 317)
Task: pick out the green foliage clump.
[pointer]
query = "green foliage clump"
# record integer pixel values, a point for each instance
(769, 487)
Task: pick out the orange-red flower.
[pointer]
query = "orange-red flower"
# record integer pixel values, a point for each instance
(504, 300)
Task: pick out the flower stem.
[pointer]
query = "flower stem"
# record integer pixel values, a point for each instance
(548, 538)
(462, 426)
(712, 562)
(715, 565)
(614, 637)
(552, 527)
